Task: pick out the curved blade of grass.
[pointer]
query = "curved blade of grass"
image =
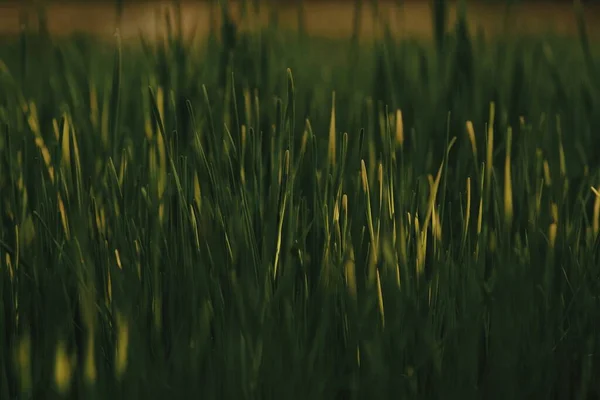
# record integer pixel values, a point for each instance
(115, 97)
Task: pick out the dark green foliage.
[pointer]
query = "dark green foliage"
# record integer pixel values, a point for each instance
(213, 226)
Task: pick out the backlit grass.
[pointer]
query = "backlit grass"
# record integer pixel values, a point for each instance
(276, 216)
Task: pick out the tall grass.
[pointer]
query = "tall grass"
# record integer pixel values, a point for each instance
(260, 218)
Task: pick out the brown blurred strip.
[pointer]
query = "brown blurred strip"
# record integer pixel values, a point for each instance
(323, 18)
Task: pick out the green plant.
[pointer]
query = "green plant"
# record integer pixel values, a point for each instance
(273, 224)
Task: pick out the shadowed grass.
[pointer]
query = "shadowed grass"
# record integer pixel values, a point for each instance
(260, 219)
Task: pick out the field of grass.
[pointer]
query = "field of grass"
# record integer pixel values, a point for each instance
(273, 216)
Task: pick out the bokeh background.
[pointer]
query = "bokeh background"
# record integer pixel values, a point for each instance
(326, 18)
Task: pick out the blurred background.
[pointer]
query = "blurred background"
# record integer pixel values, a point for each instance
(325, 18)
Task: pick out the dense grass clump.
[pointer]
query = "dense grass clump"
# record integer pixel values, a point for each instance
(272, 216)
